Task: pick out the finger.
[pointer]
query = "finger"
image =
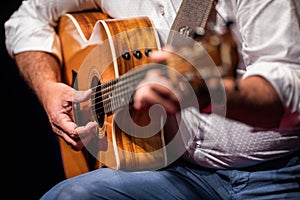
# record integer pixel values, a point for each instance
(67, 125)
(80, 96)
(165, 93)
(74, 143)
(84, 135)
(156, 94)
(160, 85)
(87, 132)
(77, 145)
(161, 56)
(171, 107)
(88, 129)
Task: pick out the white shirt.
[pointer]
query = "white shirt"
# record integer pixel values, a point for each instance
(268, 35)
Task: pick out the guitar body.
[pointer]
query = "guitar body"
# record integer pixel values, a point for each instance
(110, 57)
(93, 45)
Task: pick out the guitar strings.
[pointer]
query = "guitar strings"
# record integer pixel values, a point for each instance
(117, 93)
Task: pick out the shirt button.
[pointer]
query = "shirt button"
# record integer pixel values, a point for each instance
(162, 10)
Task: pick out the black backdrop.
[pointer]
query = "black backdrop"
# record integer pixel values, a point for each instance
(32, 158)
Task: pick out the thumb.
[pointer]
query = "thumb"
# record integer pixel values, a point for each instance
(80, 96)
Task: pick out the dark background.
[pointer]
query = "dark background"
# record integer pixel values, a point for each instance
(31, 150)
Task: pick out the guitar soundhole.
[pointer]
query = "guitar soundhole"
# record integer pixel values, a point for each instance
(97, 101)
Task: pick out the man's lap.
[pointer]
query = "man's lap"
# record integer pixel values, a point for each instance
(183, 182)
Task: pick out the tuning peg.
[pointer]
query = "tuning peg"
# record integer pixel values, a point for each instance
(147, 52)
(137, 54)
(126, 55)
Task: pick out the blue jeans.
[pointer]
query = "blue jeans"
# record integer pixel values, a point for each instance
(279, 180)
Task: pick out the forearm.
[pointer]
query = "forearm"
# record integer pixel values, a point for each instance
(38, 69)
(255, 102)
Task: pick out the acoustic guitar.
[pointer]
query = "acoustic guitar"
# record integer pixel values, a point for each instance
(110, 57)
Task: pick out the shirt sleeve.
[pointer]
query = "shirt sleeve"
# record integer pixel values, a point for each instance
(270, 32)
(32, 26)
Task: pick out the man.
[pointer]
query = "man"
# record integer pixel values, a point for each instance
(253, 154)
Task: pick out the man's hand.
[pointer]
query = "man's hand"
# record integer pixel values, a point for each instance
(157, 89)
(173, 91)
(58, 106)
(42, 73)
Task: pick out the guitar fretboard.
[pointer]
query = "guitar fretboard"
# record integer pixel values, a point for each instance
(118, 93)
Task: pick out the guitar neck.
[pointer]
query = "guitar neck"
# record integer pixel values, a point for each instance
(118, 93)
